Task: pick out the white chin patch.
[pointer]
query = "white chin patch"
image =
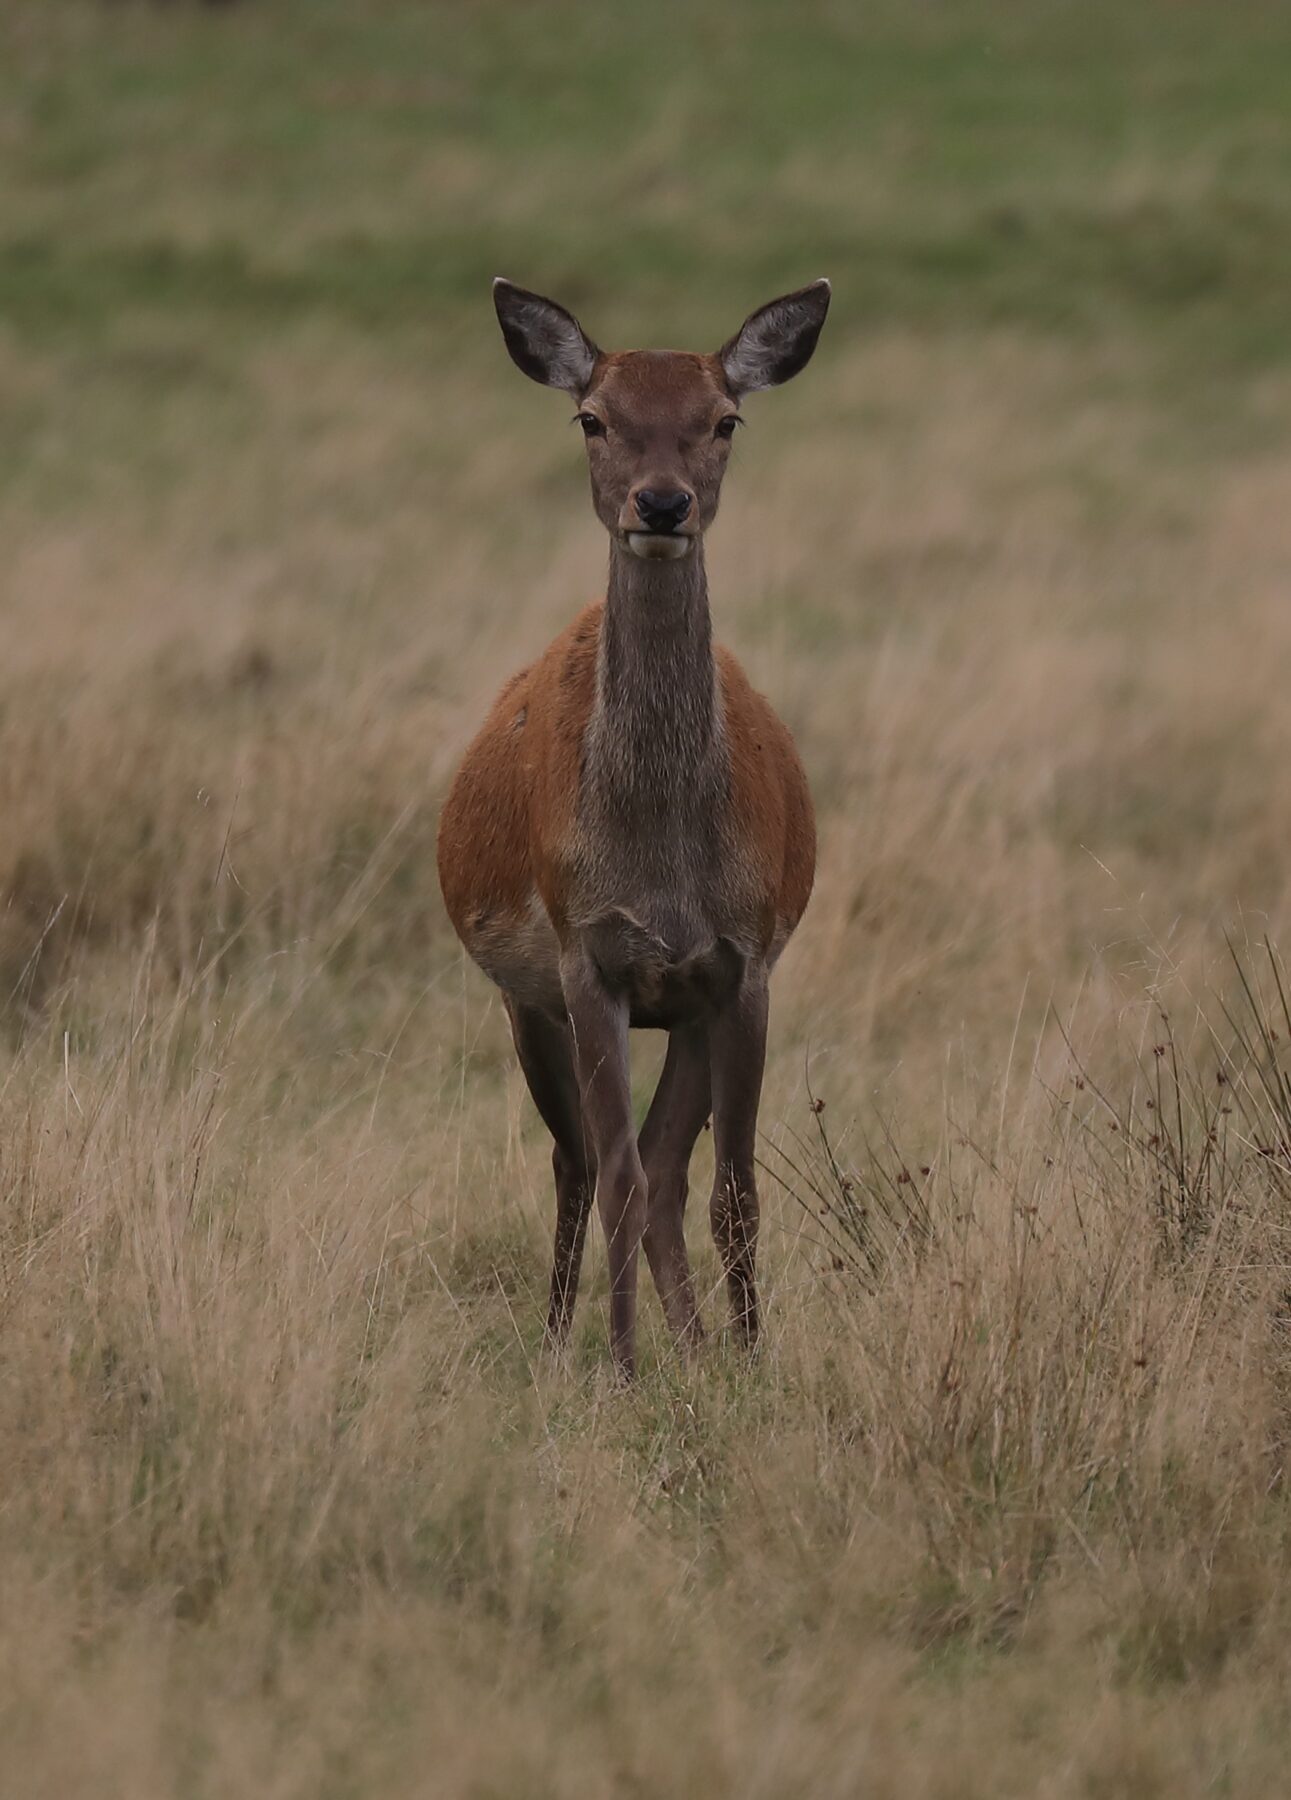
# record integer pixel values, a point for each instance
(654, 547)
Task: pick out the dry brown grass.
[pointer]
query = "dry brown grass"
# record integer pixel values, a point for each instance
(291, 1503)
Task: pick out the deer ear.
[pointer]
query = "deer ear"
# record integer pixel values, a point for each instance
(546, 342)
(776, 341)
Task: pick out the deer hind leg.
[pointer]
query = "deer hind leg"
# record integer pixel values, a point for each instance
(738, 1037)
(678, 1112)
(545, 1050)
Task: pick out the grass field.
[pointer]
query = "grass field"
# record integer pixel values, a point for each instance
(291, 1504)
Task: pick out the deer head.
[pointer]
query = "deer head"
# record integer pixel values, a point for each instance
(659, 423)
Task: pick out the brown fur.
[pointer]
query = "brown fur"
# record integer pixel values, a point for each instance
(508, 819)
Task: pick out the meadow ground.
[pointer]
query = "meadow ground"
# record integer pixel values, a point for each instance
(291, 1503)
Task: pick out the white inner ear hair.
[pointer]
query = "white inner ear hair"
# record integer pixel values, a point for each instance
(555, 338)
(752, 358)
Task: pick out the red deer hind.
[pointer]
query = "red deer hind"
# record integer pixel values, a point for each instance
(630, 840)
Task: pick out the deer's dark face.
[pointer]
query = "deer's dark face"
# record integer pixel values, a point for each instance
(659, 423)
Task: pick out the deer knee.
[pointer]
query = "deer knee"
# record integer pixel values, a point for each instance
(621, 1193)
(669, 1191)
(666, 1206)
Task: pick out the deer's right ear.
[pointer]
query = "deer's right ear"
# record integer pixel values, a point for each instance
(546, 343)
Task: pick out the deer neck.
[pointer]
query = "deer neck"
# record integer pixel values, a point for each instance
(657, 753)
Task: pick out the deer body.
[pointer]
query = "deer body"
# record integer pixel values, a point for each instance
(630, 838)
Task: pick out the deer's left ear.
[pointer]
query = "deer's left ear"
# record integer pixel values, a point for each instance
(776, 341)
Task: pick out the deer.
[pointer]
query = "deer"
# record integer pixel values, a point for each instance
(630, 839)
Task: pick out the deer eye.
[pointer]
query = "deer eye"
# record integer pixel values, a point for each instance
(725, 427)
(592, 426)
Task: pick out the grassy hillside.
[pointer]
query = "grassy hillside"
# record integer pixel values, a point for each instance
(291, 1502)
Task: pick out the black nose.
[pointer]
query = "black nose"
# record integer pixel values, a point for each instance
(662, 512)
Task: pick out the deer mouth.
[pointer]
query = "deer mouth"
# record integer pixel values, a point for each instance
(659, 546)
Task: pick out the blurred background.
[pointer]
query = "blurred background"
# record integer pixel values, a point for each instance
(278, 513)
(1013, 558)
